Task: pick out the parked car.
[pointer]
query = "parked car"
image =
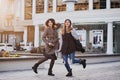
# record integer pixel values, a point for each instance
(6, 46)
(26, 47)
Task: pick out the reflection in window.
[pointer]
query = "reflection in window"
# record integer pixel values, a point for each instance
(39, 6)
(28, 9)
(61, 6)
(50, 5)
(99, 4)
(81, 5)
(115, 3)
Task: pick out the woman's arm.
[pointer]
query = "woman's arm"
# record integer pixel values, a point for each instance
(60, 42)
(74, 34)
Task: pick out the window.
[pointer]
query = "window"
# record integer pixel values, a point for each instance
(28, 9)
(61, 6)
(99, 4)
(115, 3)
(50, 5)
(39, 6)
(81, 5)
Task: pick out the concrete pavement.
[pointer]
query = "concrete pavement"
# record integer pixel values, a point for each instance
(99, 67)
(104, 71)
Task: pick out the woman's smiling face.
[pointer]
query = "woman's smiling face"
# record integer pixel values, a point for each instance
(50, 23)
(67, 23)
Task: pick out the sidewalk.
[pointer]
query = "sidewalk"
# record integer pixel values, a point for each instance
(108, 71)
(99, 67)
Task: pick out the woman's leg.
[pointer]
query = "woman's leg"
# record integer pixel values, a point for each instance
(81, 61)
(72, 58)
(38, 63)
(51, 67)
(65, 58)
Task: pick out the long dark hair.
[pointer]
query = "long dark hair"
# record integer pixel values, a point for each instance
(52, 20)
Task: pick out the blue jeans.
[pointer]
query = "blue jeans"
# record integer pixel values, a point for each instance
(72, 58)
(65, 58)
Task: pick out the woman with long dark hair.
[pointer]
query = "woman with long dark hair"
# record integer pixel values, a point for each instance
(68, 47)
(50, 37)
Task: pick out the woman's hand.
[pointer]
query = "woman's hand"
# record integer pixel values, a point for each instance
(50, 44)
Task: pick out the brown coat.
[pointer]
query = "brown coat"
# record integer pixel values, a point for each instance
(50, 36)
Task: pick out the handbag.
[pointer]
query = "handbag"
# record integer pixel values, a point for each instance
(79, 46)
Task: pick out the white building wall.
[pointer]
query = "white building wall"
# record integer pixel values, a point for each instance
(87, 16)
(83, 17)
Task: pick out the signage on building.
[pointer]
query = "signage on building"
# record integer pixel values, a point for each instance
(82, 36)
(97, 38)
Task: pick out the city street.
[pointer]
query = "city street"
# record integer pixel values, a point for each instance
(101, 71)
(32, 30)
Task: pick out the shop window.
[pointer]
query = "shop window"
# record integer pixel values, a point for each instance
(96, 40)
(115, 3)
(30, 32)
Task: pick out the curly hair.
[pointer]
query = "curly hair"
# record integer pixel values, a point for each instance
(52, 20)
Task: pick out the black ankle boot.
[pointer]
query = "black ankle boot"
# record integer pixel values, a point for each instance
(50, 73)
(35, 68)
(69, 73)
(83, 62)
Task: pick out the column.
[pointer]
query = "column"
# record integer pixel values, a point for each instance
(36, 36)
(3, 22)
(25, 36)
(90, 4)
(3, 38)
(108, 4)
(33, 8)
(18, 8)
(70, 4)
(45, 6)
(22, 9)
(87, 40)
(54, 5)
(0, 38)
(110, 38)
(12, 7)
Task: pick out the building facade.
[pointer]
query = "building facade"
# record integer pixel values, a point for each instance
(97, 21)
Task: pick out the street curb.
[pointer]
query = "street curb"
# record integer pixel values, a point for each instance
(97, 55)
(103, 62)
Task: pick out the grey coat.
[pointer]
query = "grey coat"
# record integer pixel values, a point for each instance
(50, 35)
